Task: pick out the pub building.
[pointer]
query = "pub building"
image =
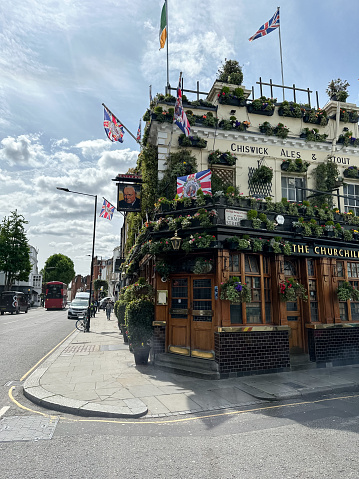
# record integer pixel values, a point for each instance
(195, 331)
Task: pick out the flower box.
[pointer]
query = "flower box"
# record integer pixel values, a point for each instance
(232, 101)
(250, 109)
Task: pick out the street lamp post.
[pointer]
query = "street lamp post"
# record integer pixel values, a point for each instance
(93, 251)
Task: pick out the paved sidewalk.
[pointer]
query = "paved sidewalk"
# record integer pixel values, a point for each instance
(94, 374)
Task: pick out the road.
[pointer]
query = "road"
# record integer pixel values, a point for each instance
(293, 439)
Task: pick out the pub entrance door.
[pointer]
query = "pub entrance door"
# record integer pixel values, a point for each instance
(293, 310)
(190, 331)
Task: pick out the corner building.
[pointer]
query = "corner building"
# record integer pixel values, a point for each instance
(195, 330)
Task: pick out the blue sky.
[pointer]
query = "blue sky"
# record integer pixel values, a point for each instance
(60, 60)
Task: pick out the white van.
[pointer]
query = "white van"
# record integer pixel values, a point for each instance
(82, 295)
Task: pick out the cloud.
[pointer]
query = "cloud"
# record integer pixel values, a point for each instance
(24, 150)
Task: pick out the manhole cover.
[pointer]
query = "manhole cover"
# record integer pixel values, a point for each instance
(81, 348)
(27, 428)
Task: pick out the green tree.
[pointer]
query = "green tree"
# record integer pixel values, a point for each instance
(58, 267)
(231, 72)
(14, 250)
(99, 283)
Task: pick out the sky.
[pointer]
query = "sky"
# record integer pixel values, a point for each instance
(61, 59)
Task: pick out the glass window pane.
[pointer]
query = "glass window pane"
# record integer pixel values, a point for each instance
(253, 313)
(236, 314)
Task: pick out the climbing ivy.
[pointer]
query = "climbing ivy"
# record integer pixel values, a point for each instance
(147, 163)
(134, 223)
(326, 179)
(180, 163)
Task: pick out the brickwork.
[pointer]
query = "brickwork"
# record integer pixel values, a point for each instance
(239, 354)
(339, 346)
(159, 340)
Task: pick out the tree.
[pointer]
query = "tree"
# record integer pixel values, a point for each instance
(14, 250)
(99, 283)
(58, 267)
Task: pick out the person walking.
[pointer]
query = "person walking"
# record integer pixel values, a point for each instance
(92, 309)
(108, 310)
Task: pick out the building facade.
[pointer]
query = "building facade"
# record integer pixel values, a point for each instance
(268, 232)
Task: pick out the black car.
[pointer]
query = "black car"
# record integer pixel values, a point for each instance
(13, 302)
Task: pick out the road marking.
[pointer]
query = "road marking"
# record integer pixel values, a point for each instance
(46, 355)
(3, 410)
(187, 419)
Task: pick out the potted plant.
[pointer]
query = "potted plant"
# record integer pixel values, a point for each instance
(139, 317)
(230, 72)
(202, 266)
(338, 90)
(290, 290)
(235, 291)
(318, 117)
(351, 172)
(347, 292)
(266, 128)
(281, 131)
(262, 106)
(290, 109)
(193, 141)
(262, 175)
(163, 269)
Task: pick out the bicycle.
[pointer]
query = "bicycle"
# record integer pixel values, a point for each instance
(81, 323)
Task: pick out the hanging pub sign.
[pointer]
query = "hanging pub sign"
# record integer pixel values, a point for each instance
(128, 192)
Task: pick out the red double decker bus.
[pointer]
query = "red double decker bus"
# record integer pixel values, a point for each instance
(56, 295)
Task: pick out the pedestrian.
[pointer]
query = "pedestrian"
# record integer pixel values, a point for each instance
(92, 309)
(108, 310)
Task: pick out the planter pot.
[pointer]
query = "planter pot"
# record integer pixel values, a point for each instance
(299, 230)
(349, 174)
(231, 245)
(250, 109)
(214, 244)
(141, 355)
(246, 223)
(329, 234)
(284, 166)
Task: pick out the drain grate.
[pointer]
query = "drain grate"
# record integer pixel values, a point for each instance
(81, 348)
(27, 428)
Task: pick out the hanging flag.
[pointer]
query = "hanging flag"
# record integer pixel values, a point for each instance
(107, 210)
(163, 27)
(114, 129)
(138, 137)
(187, 186)
(180, 117)
(268, 27)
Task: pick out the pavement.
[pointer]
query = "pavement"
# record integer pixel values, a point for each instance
(94, 374)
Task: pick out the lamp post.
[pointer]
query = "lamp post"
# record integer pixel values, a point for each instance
(93, 250)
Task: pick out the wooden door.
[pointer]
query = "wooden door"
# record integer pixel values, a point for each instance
(293, 310)
(190, 331)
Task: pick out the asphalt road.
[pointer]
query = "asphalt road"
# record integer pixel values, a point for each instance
(293, 439)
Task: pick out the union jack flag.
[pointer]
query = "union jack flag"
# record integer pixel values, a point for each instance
(187, 186)
(113, 129)
(268, 27)
(107, 210)
(138, 137)
(180, 117)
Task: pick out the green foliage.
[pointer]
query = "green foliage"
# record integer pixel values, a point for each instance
(140, 289)
(139, 316)
(230, 72)
(290, 290)
(134, 222)
(14, 250)
(262, 175)
(339, 89)
(119, 310)
(100, 283)
(290, 109)
(59, 267)
(326, 177)
(180, 163)
(347, 292)
(235, 291)
(147, 163)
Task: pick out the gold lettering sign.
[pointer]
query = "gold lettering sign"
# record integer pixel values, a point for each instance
(325, 251)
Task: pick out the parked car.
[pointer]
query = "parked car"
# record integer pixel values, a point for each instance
(77, 307)
(103, 302)
(82, 295)
(13, 302)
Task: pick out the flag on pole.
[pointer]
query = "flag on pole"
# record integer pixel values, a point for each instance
(107, 210)
(114, 129)
(163, 26)
(187, 186)
(180, 117)
(138, 137)
(268, 27)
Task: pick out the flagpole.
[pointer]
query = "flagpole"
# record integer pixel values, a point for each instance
(281, 57)
(128, 131)
(168, 80)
